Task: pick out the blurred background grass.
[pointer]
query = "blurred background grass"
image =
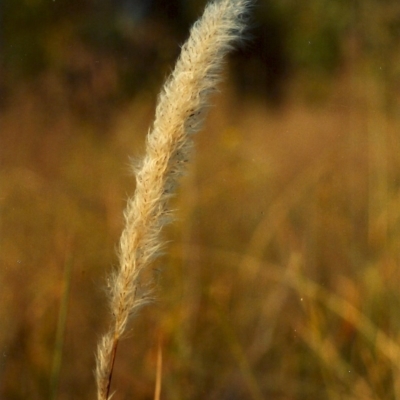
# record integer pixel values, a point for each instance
(281, 275)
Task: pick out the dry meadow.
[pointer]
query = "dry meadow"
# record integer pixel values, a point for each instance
(280, 277)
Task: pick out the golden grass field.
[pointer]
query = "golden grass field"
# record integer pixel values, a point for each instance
(280, 278)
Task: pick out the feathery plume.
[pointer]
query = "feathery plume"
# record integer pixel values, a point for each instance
(179, 114)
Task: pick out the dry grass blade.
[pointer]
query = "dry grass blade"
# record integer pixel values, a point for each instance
(382, 342)
(60, 334)
(157, 391)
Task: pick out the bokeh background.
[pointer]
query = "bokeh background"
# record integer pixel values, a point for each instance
(280, 278)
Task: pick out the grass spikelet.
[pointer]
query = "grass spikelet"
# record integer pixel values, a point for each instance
(179, 114)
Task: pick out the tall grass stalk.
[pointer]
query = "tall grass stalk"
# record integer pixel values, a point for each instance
(60, 334)
(179, 114)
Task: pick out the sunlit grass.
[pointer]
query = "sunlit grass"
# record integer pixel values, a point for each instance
(282, 278)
